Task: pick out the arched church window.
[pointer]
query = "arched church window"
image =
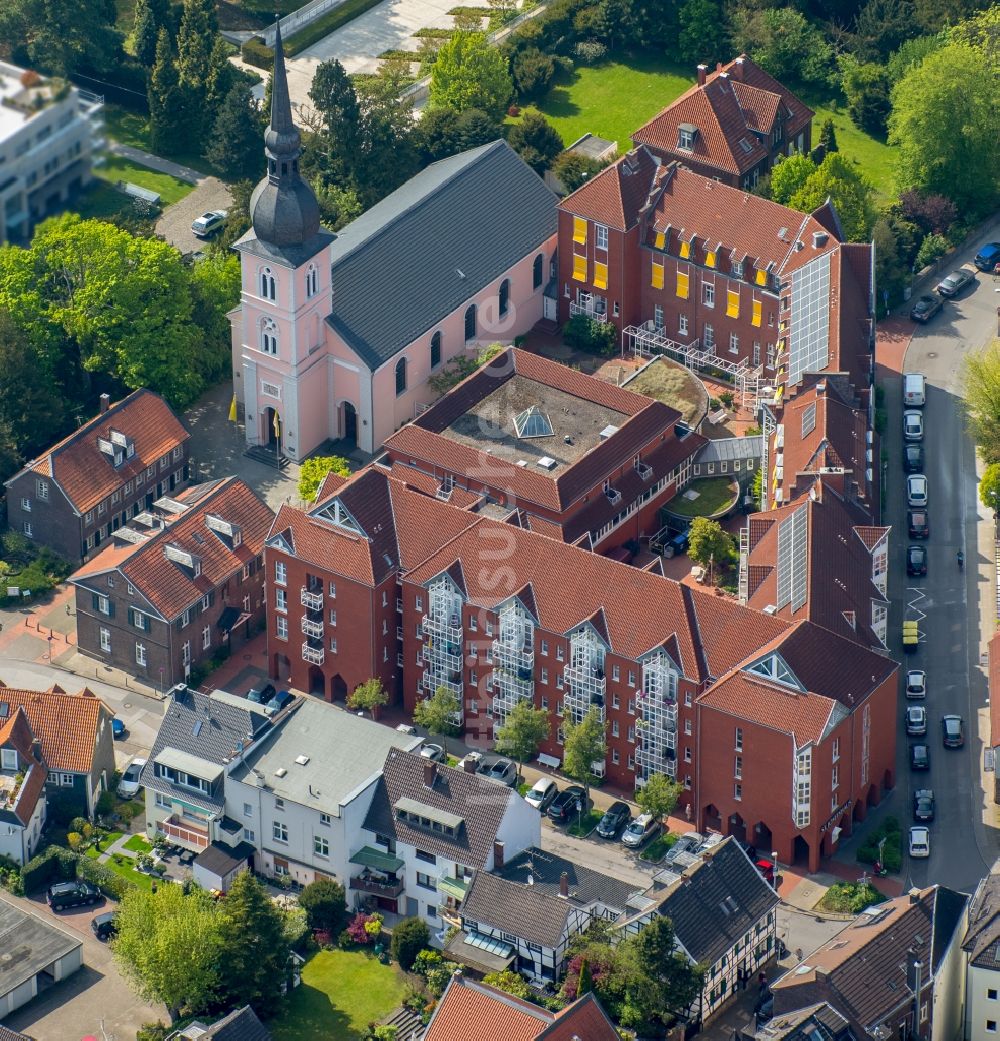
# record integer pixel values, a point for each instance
(267, 284)
(268, 336)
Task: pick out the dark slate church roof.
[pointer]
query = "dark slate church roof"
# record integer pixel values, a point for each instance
(419, 254)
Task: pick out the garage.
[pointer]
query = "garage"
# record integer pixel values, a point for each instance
(34, 956)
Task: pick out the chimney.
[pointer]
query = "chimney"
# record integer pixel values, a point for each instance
(36, 749)
(702, 75)
(469, 765)
(718, 66)
(105, 403)
(821, 972)
(497, 855)
(737, 69)
(819, 239)
(564, 885)
(914, 895)
(430, 774)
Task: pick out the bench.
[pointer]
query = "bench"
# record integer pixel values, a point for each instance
(550, 761)
(717, 417)
(145, 194)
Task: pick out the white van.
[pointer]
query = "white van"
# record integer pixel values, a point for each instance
(914, 390)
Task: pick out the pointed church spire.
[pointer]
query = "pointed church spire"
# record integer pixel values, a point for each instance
(281, 105)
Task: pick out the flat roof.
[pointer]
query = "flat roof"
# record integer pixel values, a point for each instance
(31, 944)
(489, 424)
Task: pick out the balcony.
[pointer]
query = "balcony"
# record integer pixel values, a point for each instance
(442, 657)
(584, 679)
(313, 629)
(514, 656)
(185, 834)
(590, 309)
(431, 681)
(313, 599)
(316, 655)
(389, 887)
(614, 496)
(450, 630)
(644, 470)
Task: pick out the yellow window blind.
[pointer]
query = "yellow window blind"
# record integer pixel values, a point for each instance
(755, 320)
(685, 250)
(657, 280)
(710, 258)
(682, 285)
(600, 275)
(761, 277)
(579, 267)
(661, 240)
(732, 303)
(579, 229)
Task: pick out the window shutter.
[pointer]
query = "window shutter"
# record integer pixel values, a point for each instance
(682, 285)
(755, 320)
(732, 303)
(111, 608)
(579, 229)
(579, 268)
(761, 277)
(686, 249)
(600, 275)
(656, 281)
(661, 240)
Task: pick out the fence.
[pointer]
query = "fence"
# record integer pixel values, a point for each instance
(299, 19)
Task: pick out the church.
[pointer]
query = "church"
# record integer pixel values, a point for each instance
(337, 335)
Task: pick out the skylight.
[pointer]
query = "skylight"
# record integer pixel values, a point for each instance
(532, 422)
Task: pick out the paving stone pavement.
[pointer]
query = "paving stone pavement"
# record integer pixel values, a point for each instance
(175, 221)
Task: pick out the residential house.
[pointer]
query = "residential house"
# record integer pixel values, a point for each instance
(732, 125)
(240, 1025)
(76, 740)
(807, 1024)
(178, 586)
(473, 1011)
(897, 971)
(982, 951)
(993, 653)
(75, 496)
(302, 794)
(524, 913)
(22, 789)
(436, 826)
(336, 336)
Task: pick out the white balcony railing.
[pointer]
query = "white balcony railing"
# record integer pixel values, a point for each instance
(595, 311)
(311, 628)
(644, 470)
(312, 600)
(614, 496)
(316, 655)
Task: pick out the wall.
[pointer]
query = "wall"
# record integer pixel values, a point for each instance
(979, 1006)
(53, 521)
(949, 994)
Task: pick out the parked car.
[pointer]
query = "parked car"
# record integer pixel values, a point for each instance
(72, 894)
(925, 308)
(916, 490)
(918, 524)
(567, 804)
(615, 818)
(920, 841)
(916, 720)
(117, 728)
(129, 784)
(953, 284)
(913, 458)
(543, 791)
(502, 770)
(209, 223)
(105, 925)
(920, 757)
(261, 695)
(923, 805)
(640, 831)
(435, 753)
(916, 683)
(764, 1009)
(280, 700)
(952, 731)
(916, 560)
(913, 425)
(988, 257)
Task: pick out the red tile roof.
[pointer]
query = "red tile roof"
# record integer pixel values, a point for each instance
(616, 195)
(993, 649)
(16, 732)
(584, 1020)
(430, 485)
(67, 725)
(86, 474)
(169, 587)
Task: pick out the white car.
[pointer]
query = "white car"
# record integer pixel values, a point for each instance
(209, 222)
(129, 784)
(916, 683)
(543, 791)
(916, 490)
(916, 721)
(920, 841)
(913, 425)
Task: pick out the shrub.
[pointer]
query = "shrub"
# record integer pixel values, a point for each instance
(532, 71)
(365, 928)
(409, 938)
(345, 941)
(931, 213)
(52, 863)
(727, 398)
(153, 1032)
(324, 905)
(931, 249)
(103, 877)
(106, 804)
(75, 840)
(257, 53)
(590, 52)
(586, 334)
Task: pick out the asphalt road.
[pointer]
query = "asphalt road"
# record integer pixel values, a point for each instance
(956, 609)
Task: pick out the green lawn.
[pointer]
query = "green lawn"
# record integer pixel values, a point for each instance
(125, 869)
(131, 128)
(341, 993)
(658, 848)
(874, 157)
(612, 99)
(714, 495)
(170, 189)
(583, 826)
(108, 838)
(100, 202)
(139, 844)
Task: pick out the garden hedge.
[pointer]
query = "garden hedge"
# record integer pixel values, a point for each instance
(52, 863)
(257, 53)
(103, 877)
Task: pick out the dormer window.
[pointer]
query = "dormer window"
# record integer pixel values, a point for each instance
(685, 136)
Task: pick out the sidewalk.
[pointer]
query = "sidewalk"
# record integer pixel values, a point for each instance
(154, 162)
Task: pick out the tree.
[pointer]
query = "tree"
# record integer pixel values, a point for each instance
(702, 36)
(867, 89)
(166, 99)
(437, 713)
(850, 191)
(409, 938)
(659, 796)
(234, 145)
(931, 213)
(785, 44)
(788, 175)
(666, 982)
(471, 73)
(368, 697)
(586, 744)
(254, 968)
(169, 946)
(891, 270)
(509, 982)
(881, 27)
(981, 380)
(574, 170)
(525, 728)
(63, 36)
(828, 137)
(336, 101)
(325, 906)
(946, 122)
(195, 40)
(315, 469)
(532, 71)
(989, 487)
(709, 544)
(536, 141)
(145, 30)
(586, 979)
(337, 206)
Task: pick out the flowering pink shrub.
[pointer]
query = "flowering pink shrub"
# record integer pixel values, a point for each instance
(365, 928)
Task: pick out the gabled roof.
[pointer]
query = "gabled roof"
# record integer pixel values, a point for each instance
(617, 194)
(586, 886)
(478, 802)
(982, 938)
(432, 244)
(85, 473)
(585, 1020)
(241, 1025)
(67, 725)
(819, 1022)
(170, 586)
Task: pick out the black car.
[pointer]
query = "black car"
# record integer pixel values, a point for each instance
(913, 459)
(261, 695)
(567, 803)
(278, 702)
(925, 308)
(953, 284)
(615, 818)
(952, 731)
(923, 805)
(917, 524)
(916, 560)
(72, 894)
(105, 925)
(920, 757)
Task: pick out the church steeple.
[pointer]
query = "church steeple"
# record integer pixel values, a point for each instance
(283, 207)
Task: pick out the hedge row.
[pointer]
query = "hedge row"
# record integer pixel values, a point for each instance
(257, 53)
(55, 863)
(103, 877)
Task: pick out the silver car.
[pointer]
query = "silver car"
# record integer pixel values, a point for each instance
(913, 425)
(916, 490)
(916, 720)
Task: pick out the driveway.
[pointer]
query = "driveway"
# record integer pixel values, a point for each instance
(175, 221)
(96, 1000)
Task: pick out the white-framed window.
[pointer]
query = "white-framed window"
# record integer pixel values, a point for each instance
(737, 269)
(279, 831)
(106, 640)
(206, 638)
(88, 517)
(269, 336)
(249, 835)
(685, 138)
(26, 505)
(103, 604)
(324, 819)
(280, 572)
(66, 780)
(8, 759)
(601, 236)
(738, 739)
(267, 284)
(140, 654)
(738, 767)
(102, 508)
(682, 324)
(708, 294)
(281, 627)
(28, 530)
(186, 617)
(734, 343)
(42, 489)
(186, 653)
(738, 792)
(321, 846)
(836, 749)
(206, 600)
(709, 335)
(281, 600)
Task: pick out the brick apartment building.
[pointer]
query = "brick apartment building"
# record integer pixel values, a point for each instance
(732, 125)
(183, 581)
(75, 496)
(576, 457)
